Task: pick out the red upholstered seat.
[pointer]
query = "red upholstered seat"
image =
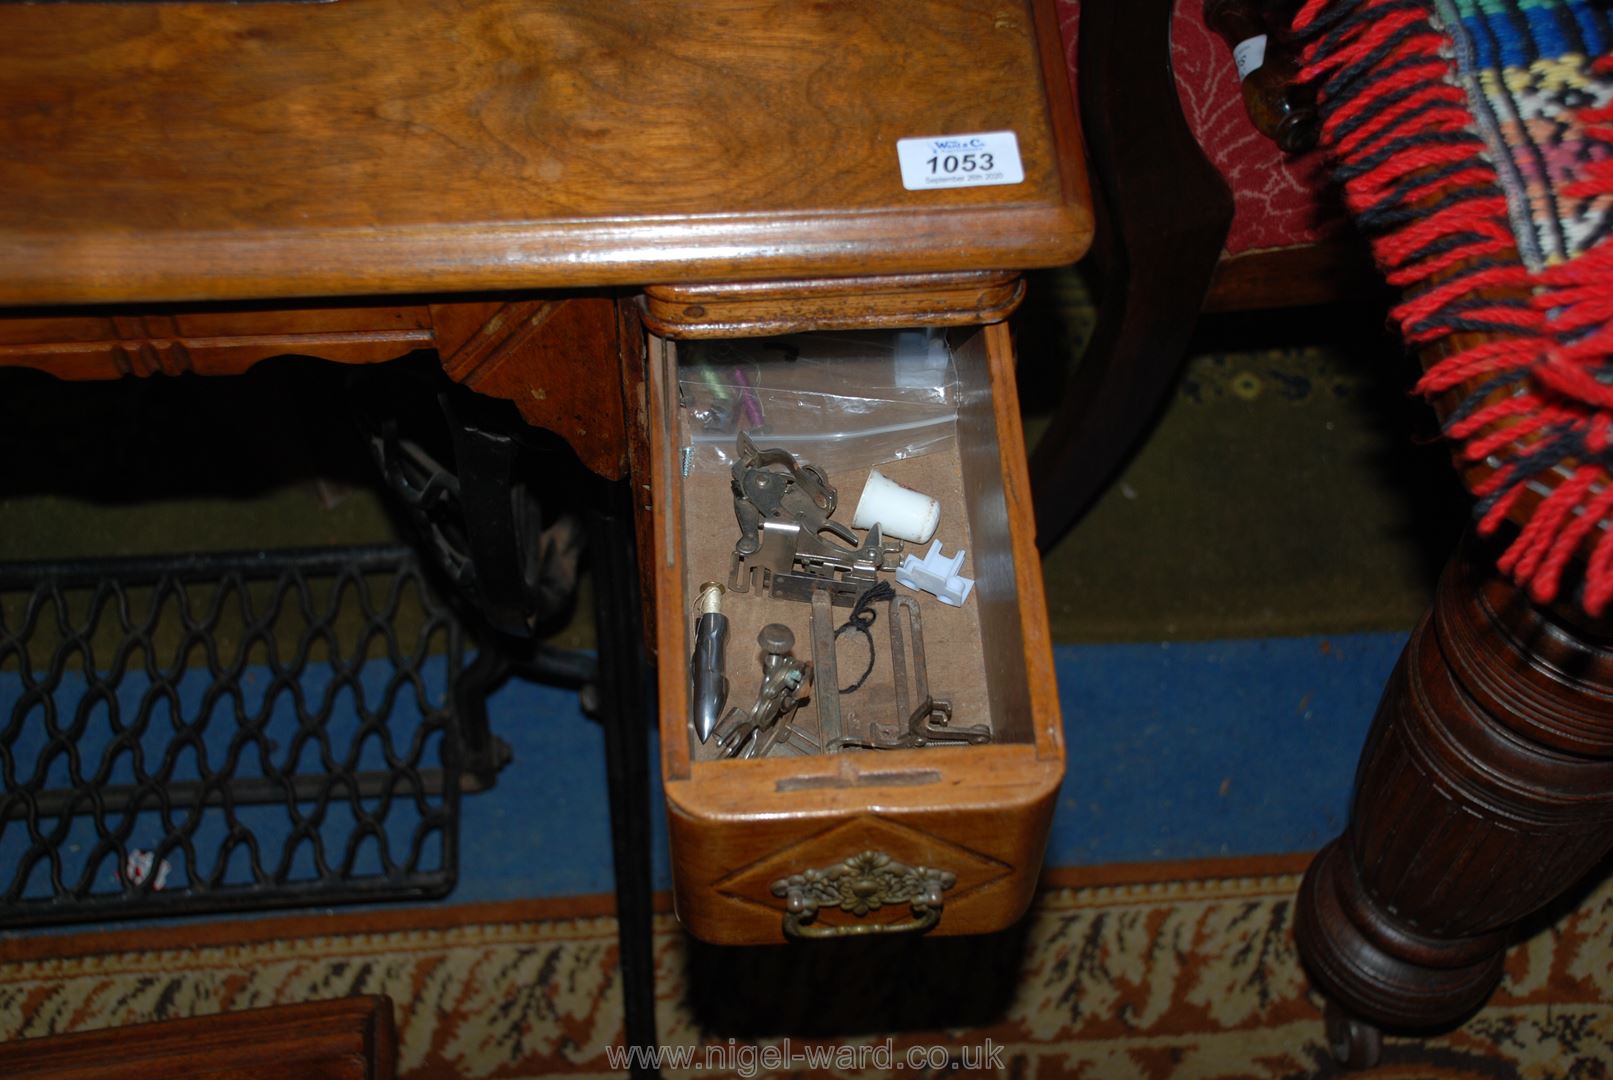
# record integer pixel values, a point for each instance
(1279, 201)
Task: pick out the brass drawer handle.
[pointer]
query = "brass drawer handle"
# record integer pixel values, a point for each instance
(859, 885)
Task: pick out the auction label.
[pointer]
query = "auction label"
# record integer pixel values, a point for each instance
(944, 161)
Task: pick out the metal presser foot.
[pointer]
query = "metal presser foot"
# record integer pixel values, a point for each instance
(783, 508)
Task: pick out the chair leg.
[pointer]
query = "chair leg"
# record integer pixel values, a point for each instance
(1163, 213)
(1484, 792)
(625, 713)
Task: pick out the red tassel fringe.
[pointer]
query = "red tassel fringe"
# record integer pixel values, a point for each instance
(1416, 175)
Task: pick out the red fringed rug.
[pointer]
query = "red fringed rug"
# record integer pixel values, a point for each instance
(1474, 143)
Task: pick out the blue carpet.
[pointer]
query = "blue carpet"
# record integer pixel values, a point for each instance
(1198, 749)
(1176, 751)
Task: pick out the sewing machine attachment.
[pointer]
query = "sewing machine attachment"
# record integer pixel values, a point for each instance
(787, 543)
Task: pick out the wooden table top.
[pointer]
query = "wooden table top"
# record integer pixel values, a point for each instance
(198, 151)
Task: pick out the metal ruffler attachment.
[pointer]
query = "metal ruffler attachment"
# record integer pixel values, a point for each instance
(787, 542)
(928, 724)
(769, 723)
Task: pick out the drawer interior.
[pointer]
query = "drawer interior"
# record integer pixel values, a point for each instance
(831, 400)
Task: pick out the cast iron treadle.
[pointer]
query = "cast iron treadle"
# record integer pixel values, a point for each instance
(202, 733)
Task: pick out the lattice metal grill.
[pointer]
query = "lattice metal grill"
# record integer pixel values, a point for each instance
(228, 731)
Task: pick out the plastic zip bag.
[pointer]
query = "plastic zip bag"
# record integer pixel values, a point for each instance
(843, 401)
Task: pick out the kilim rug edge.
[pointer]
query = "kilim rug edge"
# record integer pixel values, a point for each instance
(1473, 143)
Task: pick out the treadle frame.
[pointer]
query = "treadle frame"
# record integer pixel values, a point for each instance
(330, 592)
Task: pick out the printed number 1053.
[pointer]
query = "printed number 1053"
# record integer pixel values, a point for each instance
(954, 163)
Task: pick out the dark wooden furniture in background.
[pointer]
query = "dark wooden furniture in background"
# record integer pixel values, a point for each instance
(1485, 792)
(1486, 786)
(180, 177)
(1164, 213)
(1159, 260)
(342, 1039)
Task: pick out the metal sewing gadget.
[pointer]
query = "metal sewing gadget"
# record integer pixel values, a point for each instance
(753, 733)
(783, 507)
(930, 723)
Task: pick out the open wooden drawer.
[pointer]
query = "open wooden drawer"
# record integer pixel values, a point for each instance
(804, 846)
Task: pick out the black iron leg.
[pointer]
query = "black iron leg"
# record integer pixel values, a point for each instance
(625, 712)
(485, 753)
(488, 537)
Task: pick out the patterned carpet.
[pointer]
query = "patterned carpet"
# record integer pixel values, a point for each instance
(1178, 970)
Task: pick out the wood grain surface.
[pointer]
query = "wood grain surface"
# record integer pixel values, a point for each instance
(759, 308)
(555, 355)
(343, 1039)
(108, 343)
(556, 358)
(211, 151)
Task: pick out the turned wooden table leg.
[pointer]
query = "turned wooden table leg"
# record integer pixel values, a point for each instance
(1485, 790)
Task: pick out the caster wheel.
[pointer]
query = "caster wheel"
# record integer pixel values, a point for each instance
(1355, 1043)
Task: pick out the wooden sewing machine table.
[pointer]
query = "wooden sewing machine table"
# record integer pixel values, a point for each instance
(551, 195)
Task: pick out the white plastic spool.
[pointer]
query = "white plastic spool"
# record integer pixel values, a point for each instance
(899, 511)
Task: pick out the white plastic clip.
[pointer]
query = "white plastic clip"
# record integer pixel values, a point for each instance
(937, 575)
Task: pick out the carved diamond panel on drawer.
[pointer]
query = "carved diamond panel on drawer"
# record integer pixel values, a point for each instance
(868, 832)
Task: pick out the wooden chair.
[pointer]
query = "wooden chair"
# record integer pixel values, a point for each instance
(1196, 211)
(1485, 790)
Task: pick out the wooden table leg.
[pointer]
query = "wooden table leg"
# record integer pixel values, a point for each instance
(1484, 792)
